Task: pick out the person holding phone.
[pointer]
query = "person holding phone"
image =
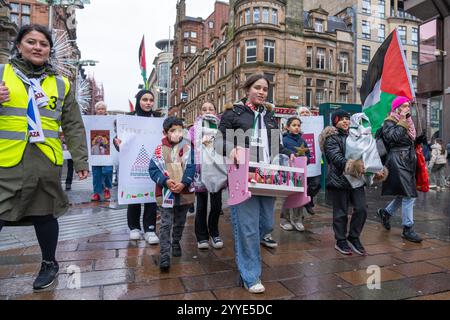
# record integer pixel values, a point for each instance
(399, 135)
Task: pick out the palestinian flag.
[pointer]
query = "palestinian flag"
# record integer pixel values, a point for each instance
(388, 76)
(131, 106)
(143, 62)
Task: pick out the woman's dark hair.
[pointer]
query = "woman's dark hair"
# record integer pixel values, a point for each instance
(441, 143)
(29, 28)
(292, 119)
(252, 79)
(210, 102)
(170, 122)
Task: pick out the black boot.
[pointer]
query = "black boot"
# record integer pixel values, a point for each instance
(310, 208)
(176, 249)
(410, 235)
(385, 218)
(46, 276)
(164, 264)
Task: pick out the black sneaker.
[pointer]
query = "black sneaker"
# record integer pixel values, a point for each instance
(343, 247)
(356, 246)
(164, 264)
(46, 276)
(192, 209)
(176, 249)
(310, 209)
(410, 235)
(385, 218)
(68, 187)
(268, 242)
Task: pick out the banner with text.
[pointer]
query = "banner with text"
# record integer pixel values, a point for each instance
(311, 128)
(139, 138)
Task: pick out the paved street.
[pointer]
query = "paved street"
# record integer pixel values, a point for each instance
(94, 238)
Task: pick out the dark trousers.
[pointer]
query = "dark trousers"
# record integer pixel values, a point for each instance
(47, 231)
(313, 188)
(148, 220)
(341, 200)
(69, 176)
(172, 226)
(205, 230)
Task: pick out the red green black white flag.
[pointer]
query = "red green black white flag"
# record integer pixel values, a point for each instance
(388, 76)
(143, 62)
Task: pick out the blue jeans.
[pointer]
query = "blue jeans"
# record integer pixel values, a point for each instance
(251, 220)
(407, 205)
(102, 178)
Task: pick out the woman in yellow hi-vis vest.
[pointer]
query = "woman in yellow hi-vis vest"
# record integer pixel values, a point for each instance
(34, 102)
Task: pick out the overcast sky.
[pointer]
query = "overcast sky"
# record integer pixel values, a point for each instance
(110, 31)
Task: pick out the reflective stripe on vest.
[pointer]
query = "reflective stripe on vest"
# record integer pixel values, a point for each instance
(13, 118)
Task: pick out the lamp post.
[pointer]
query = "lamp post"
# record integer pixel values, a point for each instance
(78, 4)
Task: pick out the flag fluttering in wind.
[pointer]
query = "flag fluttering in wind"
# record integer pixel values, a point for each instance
(131, 106)
(388, 76)
(143, 62)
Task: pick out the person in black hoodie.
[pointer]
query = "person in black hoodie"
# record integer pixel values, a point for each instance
(145, 101)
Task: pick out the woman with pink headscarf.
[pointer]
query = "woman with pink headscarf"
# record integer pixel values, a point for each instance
(399, 134)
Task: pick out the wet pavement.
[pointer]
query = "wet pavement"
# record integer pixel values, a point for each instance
(94, 243)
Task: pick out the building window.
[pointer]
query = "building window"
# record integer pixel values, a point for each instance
(365, 54)
(309, 82)
(256, 15)
(366, 6)
(363, 74)
(211, 24)
(330, 60)
(241, 19)
(308, 98)
(319, 96)
(343, 97)
(186, 35)
(220, 68)
(320, 83)
(271, 93)
(20, 14)
(269, 51)
(320, 59)
(186, 49)
(381, 8)
(343, 86)
(309, 57)
(193, 34)
(265, 15)
(163, 75)
(414, 59)
(415, 36)
(428, 42)
(365, 29)
(250, 50)
(274, 16)
(238, 56)
(343, 62)
(193, 49)
(414, 81)
(247, 16)
(318, 25)
(381, 32)
(225, 66)
(402, 33)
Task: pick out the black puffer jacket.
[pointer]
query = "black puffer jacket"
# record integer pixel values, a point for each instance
(401, 160)
(332, 143)
(242, 117)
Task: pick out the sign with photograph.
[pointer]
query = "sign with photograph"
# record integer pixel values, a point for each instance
(100, 132)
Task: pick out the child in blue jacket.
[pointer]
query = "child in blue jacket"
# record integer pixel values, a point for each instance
(172, 168)
(292, 140)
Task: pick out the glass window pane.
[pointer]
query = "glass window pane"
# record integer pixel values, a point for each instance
(256, 15)
(26, 9)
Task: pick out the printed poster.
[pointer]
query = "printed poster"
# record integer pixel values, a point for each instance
(311, 128)
(100, 132)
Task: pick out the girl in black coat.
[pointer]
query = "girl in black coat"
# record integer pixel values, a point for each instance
(144, 108)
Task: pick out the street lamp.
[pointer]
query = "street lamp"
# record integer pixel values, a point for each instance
(78, 4)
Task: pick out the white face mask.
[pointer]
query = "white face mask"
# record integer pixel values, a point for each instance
(176, 136)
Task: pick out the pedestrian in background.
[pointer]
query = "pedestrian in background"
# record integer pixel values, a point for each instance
(438, 163)
(35, 101)
(145, 102)
(101, 175)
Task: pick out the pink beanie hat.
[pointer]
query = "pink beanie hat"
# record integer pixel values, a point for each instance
(398, 102)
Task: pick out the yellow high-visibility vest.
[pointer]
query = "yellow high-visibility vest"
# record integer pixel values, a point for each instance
(13, 118)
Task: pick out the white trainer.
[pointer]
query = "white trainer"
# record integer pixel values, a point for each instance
(135, 234)
(286, 225)
(217, 243)
(256, 288)
(204, 244)
(151, 238)
(299, 226)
